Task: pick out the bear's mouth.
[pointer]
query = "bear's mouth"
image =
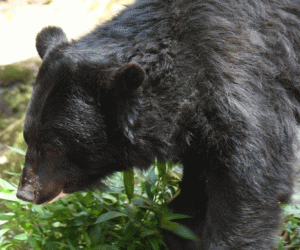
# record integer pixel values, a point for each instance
(61, 194)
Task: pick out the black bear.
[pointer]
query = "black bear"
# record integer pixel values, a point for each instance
(212, 84)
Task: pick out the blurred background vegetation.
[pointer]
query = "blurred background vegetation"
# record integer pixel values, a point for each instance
(130, 210)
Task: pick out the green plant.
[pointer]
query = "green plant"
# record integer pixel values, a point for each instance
(290, 234)
(128, 212)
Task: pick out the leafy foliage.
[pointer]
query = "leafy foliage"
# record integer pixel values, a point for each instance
(127, 213)
(290, 234)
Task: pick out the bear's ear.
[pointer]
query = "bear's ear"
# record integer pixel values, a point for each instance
(127, 79)
(48, 38)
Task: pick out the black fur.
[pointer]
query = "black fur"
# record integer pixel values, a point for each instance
(213, 84)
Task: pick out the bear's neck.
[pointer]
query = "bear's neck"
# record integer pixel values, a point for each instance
(154, 121)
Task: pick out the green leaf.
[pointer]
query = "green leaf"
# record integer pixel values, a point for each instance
(22, 236)
(3, 231)
(49, 246)
(6, 246)
(33, 243)
(128, 178)
(105, 247)
(185, 232)
(11, 197)
(131, 211)
(8, 197)
(151, 178)
(179, 229)
(161, 167)
(6, 185)
(3, 222)
(95, 234)
(108, 216)
(11, 173)
(296, 197)
(155, 245)
(149, 232)
(150, 183)
(81, 221)
(17, 150)
(6, 216)
(71, 246)
(149, 191)
(144, 202)
(171, 216)
(87, 239)
(292, 209)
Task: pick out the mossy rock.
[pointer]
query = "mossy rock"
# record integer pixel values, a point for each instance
(16, 85)
(22, 72)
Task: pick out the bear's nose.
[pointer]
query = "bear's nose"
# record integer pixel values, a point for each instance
(25, 195)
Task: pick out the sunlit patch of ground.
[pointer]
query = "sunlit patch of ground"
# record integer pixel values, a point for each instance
(20, 22)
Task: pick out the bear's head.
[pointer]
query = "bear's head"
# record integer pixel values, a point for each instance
(72, 125)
